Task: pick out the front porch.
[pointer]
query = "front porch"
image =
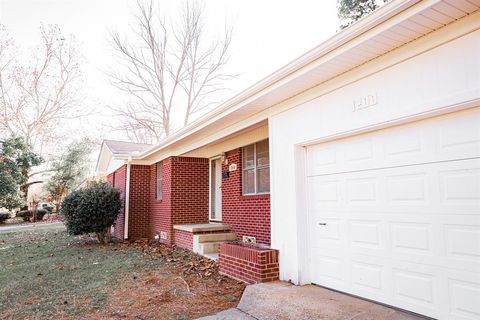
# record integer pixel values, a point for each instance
(204, 198)
(251, 263)
(204, 238)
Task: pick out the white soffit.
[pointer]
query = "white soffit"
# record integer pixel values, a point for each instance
(377, 42)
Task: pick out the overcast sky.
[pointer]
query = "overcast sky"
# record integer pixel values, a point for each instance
(267, 35)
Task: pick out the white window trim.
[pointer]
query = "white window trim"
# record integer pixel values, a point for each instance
(255, 167)
(210, 188)
(157, 197)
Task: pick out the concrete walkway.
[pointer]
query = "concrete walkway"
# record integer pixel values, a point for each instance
(281, 300)
(31, 226)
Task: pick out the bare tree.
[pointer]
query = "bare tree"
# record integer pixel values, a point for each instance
(39, 93)
(167, 68)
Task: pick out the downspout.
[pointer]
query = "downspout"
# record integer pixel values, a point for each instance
(127, 198)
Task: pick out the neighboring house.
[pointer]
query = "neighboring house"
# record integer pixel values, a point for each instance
(359, 162)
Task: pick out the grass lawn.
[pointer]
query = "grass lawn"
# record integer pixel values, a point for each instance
(47, 274)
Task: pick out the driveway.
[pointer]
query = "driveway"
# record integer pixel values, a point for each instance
(282, 300)
(31, 226)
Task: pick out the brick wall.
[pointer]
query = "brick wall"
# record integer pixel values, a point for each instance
(248, 264)
(160, 210)
(246, 215)
(185, 195)
(189, 194)
(110, 178)
(119, 181)
(139, 202)
(183, 239)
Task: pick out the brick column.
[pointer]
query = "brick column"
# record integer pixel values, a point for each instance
(139, 204)
(248, 264)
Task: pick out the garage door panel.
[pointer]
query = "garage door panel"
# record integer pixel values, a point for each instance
(405, 142)
(333, 271)
(411, 237)
(417, 287)
(462, 246)
(394, 215)
(463, 142)
(409, 187)
(369, 277)
(463, 242)
(324, 192)
(375, 278)
(461, 187)
(328, 230)
(362, 190)
(435, 140)
(366, 234)
(464, 296)
(455, 185)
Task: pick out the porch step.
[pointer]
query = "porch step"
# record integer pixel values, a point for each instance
(206, 227)
(207, 243)
(209, 247)
(214, 237)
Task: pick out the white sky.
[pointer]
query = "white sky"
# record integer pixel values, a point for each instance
(267, 35)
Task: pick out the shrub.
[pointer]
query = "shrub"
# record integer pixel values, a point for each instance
(92, 209)
(3, 217)
(28, 214)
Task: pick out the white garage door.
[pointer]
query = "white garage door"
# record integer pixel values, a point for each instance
(394, 215)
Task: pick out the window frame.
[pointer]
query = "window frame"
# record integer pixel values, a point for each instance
(256, 169)
(159, 179)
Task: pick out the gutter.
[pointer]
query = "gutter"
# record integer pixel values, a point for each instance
(127, 198)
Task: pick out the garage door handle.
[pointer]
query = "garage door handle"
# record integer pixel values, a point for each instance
(322, 223)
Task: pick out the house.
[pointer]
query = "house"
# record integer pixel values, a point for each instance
(358, 164)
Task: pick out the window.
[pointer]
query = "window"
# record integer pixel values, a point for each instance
(160, 180)
(256, 168)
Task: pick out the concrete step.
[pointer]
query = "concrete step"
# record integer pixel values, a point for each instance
(205, 227)
(216, 237)
(211, 256)
(209, 247)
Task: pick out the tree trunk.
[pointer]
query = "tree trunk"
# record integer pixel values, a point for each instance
(103, 236)
(34, 213)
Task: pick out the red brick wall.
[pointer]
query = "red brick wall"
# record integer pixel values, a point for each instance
(246, 215)
(189, 194)
(248, 264)
(110, 178)
(139, 202)
(120, 180)
(184, 239)
(160, 210)
(185, 195)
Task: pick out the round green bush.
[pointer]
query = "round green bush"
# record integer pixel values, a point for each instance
(92, 209)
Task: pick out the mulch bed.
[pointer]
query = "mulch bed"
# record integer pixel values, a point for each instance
(187, 287)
